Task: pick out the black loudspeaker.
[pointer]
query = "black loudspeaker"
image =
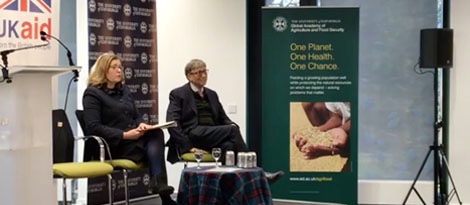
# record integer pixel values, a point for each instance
(436, 48)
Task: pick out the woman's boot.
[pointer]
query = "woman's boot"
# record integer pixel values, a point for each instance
(158, 185)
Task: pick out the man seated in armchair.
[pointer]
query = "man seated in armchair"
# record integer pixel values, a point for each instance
(202, 121)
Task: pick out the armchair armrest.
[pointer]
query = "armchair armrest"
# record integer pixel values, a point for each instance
(103, 146)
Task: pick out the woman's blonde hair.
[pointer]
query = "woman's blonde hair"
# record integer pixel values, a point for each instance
(98, 72)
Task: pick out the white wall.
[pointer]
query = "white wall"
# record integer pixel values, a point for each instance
(214, 31)
(459, 136)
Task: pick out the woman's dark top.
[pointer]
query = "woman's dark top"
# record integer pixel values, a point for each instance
(110, 112)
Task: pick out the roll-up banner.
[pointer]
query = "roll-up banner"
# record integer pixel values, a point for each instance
(127, 28)
(310, 102)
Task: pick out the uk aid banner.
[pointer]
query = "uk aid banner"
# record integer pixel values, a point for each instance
(21, 22)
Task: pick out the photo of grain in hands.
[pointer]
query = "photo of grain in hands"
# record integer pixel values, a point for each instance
(314, 137)
(314, 150)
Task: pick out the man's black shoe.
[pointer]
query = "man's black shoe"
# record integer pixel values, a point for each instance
(167, 200)
(273, 177)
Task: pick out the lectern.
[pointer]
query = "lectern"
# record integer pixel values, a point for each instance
(26, 135)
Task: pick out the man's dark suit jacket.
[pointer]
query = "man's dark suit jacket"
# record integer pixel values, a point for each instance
(182, 109)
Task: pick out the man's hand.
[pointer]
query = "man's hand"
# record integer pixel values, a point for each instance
(194, 149)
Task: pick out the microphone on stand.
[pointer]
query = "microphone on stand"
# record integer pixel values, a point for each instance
(4, 55)
(69, 54)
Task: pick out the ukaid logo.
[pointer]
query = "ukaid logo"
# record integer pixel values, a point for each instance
(24, 19)
(21, 22)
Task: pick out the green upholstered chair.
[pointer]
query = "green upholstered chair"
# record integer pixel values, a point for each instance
(188, 157)
(74, 170)
(125, 165)
(120, 164)
(64, 165)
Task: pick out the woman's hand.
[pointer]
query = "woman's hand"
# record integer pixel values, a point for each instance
(143, 127)
(133, 134)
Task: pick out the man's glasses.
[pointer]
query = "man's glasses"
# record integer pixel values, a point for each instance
(199, 72)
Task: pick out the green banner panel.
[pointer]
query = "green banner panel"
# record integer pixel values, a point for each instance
(310, 102)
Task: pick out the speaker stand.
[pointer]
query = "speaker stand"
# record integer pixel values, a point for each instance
(440, 162)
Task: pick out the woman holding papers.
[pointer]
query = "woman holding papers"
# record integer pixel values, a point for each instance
(110, 112)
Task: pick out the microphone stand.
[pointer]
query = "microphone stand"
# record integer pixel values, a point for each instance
(4, 55)
(5, 67)
(69, 54)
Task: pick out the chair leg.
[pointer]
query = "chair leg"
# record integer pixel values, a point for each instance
(64, 191)
(126, 186)
(110, 189)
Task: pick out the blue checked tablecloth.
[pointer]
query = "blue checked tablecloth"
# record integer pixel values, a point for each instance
(223, 185)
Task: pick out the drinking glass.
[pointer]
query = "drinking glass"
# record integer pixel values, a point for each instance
(216, 153)
(198, 156)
